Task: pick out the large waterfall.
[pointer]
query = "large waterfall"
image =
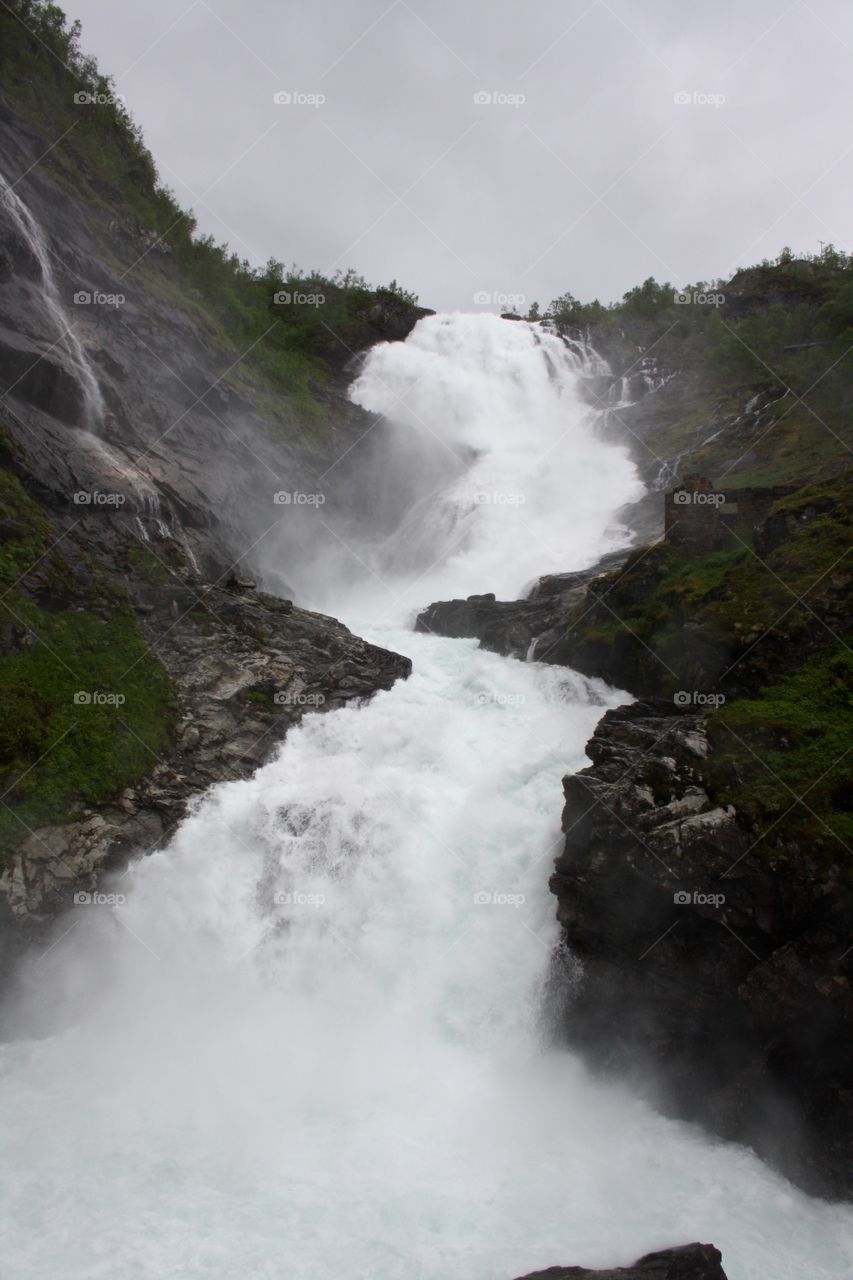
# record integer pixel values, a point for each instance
(309, 1040)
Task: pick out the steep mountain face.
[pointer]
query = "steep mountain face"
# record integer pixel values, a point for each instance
(186, 430)
(147, 464)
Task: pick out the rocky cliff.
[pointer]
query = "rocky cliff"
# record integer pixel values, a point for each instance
(156, 459)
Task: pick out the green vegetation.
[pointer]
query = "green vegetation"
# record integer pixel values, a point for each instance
(780, 331)
(104, 158)
(792, 741)
(724, 621)
(767, 632)
(84, 708)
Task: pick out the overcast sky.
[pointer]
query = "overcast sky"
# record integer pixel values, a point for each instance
(583, 171)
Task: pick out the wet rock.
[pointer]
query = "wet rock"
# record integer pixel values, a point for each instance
(718, 970)
(531, 627)
(245, 668)
(690, 1262)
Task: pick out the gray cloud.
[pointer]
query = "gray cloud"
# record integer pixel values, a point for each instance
(597, 179)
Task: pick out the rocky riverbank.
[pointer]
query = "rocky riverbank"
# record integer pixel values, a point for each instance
(243, 667)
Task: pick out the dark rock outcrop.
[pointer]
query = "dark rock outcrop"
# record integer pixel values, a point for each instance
(721, 971)
(244, 668)
(511, 627)
(690, 1262)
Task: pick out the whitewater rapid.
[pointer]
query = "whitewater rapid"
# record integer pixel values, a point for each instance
(310, 1039)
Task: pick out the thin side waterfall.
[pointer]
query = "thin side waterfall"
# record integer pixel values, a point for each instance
(308, 1041)
(31, 232)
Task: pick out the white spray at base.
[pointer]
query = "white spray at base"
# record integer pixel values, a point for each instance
(31, 232)
(308, 1041)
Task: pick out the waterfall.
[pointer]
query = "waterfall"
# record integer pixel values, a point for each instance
(515, 479)
(305, 1038)
(32, 234)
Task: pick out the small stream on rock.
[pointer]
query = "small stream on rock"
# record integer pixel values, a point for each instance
(309, 1039)
(64, 335)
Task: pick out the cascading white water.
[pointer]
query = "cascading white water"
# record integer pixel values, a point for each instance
(536, 490)
(308, 1043)
(31, 232)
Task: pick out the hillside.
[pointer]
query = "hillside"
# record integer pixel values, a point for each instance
(170, 416)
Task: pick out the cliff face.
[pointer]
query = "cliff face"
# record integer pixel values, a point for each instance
(191, 435)
(149, 458)
(712, 963)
